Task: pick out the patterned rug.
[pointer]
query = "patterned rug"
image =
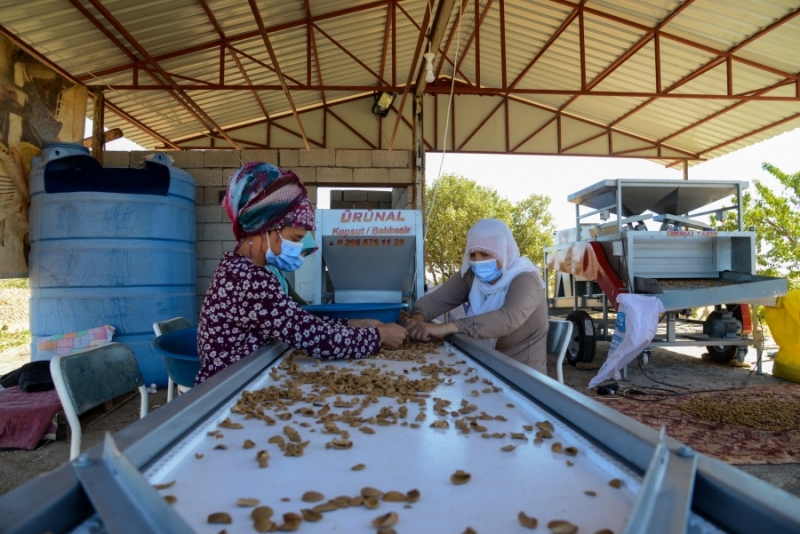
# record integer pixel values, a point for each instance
(741, 427)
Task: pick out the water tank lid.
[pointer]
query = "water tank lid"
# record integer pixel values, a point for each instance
(79, 173)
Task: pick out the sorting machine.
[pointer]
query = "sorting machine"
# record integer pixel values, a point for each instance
(618, 475)
(368, 256)
(653, 241)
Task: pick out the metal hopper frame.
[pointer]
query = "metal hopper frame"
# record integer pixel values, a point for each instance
(685, 263)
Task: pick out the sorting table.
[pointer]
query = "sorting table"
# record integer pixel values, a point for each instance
(664, 486)
(532, 478)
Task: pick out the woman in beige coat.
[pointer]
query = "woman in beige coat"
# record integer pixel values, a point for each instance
(507, 309)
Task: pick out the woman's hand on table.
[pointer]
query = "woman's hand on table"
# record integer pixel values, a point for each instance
(412, 321)
(363, 323)
(426, 331)
(392, 334)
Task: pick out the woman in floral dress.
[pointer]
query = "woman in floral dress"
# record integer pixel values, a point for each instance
(245, 306)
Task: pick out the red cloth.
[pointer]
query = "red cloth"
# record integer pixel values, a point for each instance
(25, 417)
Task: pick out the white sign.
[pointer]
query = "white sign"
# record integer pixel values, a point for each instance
(345, 223)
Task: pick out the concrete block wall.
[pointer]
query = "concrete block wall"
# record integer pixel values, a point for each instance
(360, 199)
(212, 170)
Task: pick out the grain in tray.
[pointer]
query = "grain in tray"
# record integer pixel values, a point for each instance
(527, 521)
(352, 390)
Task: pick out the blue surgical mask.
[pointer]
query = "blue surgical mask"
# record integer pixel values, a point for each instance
(485, 271)
(290, 258)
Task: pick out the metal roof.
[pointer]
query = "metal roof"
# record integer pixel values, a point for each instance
(669, 80)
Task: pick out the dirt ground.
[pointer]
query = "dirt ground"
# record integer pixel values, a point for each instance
(685, 368)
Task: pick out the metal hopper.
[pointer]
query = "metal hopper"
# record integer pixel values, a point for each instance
(369, 256)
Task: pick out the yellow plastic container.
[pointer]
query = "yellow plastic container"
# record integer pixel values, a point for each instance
(784, 323)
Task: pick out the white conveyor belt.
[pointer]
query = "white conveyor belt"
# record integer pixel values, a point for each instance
(532, 478)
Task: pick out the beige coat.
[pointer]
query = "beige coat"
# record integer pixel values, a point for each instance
(520, 326)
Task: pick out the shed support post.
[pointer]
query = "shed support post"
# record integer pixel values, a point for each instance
(686, 169)
(418, 158)
(98, 137)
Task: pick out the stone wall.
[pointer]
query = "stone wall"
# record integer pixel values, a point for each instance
(212, 170)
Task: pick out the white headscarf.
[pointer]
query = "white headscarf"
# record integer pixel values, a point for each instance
(492, 236)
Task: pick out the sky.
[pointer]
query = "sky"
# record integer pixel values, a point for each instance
(518, 176)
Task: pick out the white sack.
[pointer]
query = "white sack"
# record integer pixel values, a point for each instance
(637, 323)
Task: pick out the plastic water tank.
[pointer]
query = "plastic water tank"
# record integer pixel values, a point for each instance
(110, 246)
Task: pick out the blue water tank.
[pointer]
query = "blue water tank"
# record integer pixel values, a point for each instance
(110, 246)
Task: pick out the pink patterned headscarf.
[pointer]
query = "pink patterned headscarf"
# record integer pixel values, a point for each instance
(261, 197)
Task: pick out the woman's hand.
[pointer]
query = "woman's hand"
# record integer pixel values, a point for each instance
(426, 331)
(363, 323)
(392, 334)
(413, 320)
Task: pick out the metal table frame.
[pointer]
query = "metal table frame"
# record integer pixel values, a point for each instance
(676, 478)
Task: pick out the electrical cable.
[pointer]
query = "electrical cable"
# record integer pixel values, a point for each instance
(663, 394)
(446, 126)
(639, 361)
(444, 139)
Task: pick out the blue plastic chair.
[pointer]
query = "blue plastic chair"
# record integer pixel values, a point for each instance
(178, 347)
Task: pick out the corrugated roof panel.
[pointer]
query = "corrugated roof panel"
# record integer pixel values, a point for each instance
(754, 138)
(62, 33)
(458, 51)
(255, 48)
(736, 122)
(645, 12)
(202, 66)
(407, 36)
(603, 109)
(156, 25)
(559, 67)
(549, 102)
(723, 24)
(665, 116)
(635, 74)
(530, 24)
(236, 17)
(678, 61)
(290, 50)
(491, 53)
(781, 49)
(605, 43)
(744, 79)
(365, 44)
(469, 24)
(181, 28)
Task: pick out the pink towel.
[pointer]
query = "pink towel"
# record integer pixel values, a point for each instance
(25, 417)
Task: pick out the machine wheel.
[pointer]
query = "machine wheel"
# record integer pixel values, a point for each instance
(722, 354)
(581, 347)
(645, 356)
(741, 353)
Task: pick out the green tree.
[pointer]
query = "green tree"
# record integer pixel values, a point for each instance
(533, 225)
(456, 203)
(776, 218)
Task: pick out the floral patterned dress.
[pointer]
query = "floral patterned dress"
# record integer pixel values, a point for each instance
(246, 308)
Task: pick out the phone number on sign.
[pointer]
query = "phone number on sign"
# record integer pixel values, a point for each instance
(369, 242)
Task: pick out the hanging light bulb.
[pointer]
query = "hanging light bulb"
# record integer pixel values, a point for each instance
(429, 76)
